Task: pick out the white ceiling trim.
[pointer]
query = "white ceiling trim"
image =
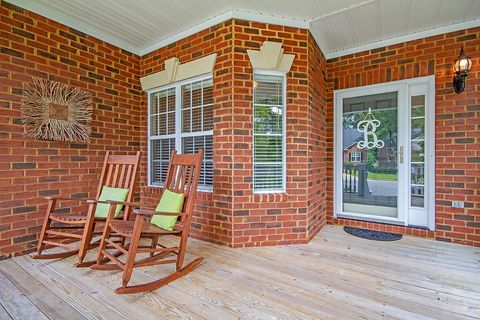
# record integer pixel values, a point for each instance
(188, 32)
(74, 23)
(270, 19)
(81, 25)
(404, 38)
(231, 14)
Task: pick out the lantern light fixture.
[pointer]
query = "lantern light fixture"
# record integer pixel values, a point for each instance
(462, 66)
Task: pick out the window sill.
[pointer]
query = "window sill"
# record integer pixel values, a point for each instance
(280, 196)
(156, 186)
(270, 192)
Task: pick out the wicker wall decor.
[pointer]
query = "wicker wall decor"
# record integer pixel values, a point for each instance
(56, 111)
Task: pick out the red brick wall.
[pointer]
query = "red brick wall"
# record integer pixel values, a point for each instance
(268, 219)
(212, 219)
(317, 139)
(232, 214)
(457, 124)
(33, 46)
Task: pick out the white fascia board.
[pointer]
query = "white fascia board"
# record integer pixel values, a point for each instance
(231, 14)
(74, 23)
(408, 37)
(188, 32)
(270, 19)
(79, 25)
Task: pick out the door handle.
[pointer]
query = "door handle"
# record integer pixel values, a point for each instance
(401, 154)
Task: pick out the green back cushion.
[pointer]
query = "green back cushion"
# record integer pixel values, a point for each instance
(115, 194)
(170, 202)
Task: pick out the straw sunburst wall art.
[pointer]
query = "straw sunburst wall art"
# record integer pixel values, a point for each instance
(56, 111)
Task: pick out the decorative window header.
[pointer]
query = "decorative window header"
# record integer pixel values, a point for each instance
(175, 71)
(271, 57)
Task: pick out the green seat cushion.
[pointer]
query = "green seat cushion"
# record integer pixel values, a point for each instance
(170, 202)
(115, 194)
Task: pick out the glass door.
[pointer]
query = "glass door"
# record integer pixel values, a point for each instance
(370, 155)
(384, 164)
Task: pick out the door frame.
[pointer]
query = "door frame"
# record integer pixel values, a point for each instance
(403, 181)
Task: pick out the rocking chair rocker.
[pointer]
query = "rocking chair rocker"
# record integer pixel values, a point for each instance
(63, 229)
(181, 180)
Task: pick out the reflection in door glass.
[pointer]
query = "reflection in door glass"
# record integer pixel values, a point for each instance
(369, 177)
(417, 152)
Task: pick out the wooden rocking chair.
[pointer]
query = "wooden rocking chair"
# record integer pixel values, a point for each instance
(182, 177)
(63, 229)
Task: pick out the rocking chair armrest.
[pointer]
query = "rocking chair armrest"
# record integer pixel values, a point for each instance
(145, 212)
(92, 201)
(125, 203)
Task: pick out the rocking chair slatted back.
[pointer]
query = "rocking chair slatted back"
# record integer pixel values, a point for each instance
(119, 172)
(182, 177)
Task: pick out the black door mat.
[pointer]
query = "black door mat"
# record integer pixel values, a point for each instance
(372, 235)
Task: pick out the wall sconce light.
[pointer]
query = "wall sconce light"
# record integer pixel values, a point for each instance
(462, 66)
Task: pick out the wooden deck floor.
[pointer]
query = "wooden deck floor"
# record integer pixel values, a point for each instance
(335, 276)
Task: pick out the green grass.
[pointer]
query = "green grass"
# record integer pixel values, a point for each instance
(382, 176)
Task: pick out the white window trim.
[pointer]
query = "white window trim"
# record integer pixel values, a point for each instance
(284, 133)
(357, 154)
(178, 135)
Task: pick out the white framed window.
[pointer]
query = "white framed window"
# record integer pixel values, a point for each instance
(355, 156)
(181, 117)
(269, 101)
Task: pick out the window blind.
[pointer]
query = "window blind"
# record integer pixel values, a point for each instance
(192, 145)
(269, 135)
(161, 149)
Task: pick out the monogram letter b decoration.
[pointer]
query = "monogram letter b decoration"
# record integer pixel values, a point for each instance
(368, 126)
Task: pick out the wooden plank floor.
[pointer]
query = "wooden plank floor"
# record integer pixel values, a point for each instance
(336, 276)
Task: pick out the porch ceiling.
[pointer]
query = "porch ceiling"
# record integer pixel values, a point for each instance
(340, 27)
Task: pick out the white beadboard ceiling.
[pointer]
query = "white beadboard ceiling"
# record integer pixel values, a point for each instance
(340, 27)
